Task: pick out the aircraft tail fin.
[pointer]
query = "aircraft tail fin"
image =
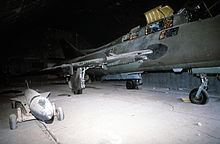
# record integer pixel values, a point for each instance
(69, 50)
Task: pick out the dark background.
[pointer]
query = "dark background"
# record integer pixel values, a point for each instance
(31, 29)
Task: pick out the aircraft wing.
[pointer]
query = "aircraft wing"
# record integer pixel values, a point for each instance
(88, 63)
(111, 59)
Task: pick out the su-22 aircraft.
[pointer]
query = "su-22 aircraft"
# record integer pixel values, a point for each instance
(168, 42)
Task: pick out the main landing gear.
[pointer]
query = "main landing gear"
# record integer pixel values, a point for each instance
(76, 80)
(200, 95)
(133, 84)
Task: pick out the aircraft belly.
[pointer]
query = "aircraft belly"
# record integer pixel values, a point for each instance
(133, 67)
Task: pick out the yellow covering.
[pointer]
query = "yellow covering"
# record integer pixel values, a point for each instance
(158, 13)
(185, 99)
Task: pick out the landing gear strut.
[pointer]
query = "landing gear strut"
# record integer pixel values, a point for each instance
(200, 95)
(76, 80)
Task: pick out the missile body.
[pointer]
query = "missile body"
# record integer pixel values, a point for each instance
(39, 105)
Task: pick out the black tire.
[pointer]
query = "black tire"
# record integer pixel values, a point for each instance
(60, 114)
(203, 97)
(13, 121)
(78, 91)
(130, 84)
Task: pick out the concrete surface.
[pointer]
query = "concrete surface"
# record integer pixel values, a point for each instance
(107, 113)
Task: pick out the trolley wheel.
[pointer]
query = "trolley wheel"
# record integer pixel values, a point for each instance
(60, 114)
(13, 121)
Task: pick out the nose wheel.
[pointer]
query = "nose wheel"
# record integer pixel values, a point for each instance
(200, 95)
(202, 98)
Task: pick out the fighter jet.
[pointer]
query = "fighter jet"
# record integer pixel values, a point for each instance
(169, 42)
(36, 106)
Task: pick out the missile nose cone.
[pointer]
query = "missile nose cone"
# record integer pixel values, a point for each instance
(48, 112)
(49, 116)
(42, 108)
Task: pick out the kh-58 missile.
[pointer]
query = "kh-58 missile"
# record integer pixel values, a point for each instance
(36, 106)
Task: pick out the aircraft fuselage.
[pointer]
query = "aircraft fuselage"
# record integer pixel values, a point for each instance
(188, 45)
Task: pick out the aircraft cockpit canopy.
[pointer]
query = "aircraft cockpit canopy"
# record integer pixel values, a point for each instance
(158, 19)
(158, 13)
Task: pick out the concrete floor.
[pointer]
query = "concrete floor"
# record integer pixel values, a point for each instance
(107, 113)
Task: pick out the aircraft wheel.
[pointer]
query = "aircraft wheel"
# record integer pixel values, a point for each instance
(13, 121)
(60, 114)
(203, 97)
(78, 91)
(130, 84)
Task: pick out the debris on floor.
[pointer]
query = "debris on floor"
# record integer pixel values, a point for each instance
(199, 124)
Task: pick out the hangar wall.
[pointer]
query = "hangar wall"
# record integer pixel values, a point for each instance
(184, 80)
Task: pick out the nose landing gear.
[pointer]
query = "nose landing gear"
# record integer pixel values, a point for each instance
(200, 95)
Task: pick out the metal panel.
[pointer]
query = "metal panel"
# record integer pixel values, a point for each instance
(210, 70)
(122, 77)
(178, 81)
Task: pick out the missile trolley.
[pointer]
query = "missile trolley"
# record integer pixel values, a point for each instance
(35, 106)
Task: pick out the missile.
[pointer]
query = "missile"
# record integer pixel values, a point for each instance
(37, 106)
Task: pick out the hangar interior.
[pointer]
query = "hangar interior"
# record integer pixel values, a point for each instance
(39, 34)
